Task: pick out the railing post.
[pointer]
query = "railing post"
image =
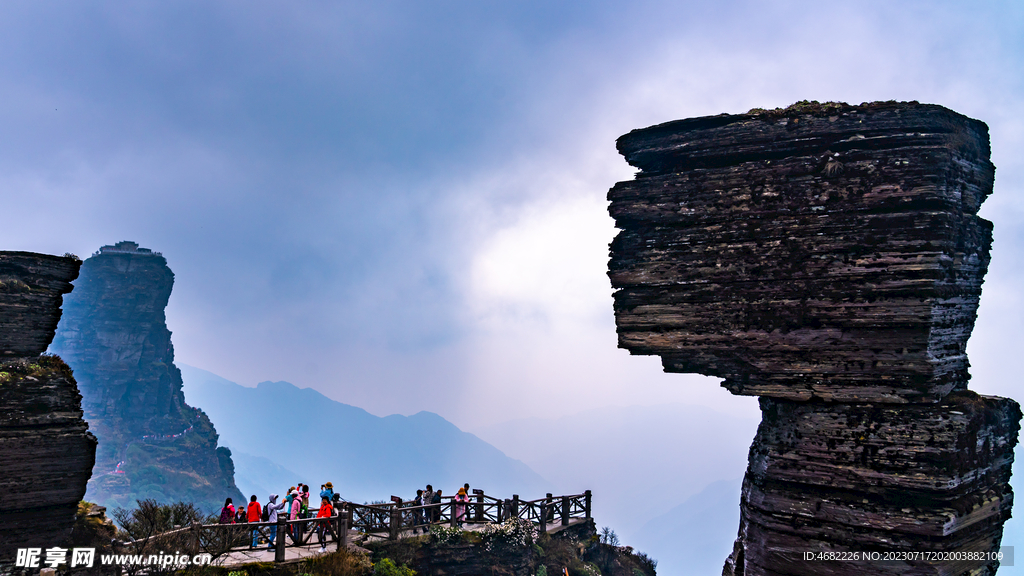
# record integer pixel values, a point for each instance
(341, 523)
(503, 510)
(515, 506)
(452, 512)
(586, 505)
(543, 517)
(197, 530)
(479, 504)
(565, 510)
(551, 509)
(280, 545)
(396, 520)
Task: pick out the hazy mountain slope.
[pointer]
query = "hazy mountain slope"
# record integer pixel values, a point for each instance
(696, 536)
(640, 461)
(261, 476)
(365, 456)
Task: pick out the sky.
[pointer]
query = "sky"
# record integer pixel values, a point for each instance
(402, 204)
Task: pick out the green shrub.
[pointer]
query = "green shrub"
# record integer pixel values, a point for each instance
(340, 563)
(442, 535)
(512, 534)
(387, 568)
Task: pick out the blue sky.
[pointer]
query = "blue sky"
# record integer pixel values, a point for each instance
(401, 204)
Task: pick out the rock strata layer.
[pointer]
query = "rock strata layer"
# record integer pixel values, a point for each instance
(31, 290)
(46, 450)
(114, 335)
(828, 258)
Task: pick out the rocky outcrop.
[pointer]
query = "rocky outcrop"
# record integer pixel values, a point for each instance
(828, 258)
(114, 334)
(31, 290)
(46, 450)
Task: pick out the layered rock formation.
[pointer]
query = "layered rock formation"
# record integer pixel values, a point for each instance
(828, 258)
(46, 450)
(32, 287)
(114, 335)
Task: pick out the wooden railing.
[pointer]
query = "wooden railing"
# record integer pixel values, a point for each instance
(395, 517)
(387, 520)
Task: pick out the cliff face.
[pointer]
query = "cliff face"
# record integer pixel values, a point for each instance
(114, 335)
(828, 258)
(31, 291)
(46, 450)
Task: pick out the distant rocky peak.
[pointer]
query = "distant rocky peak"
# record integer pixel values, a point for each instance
(126, 247)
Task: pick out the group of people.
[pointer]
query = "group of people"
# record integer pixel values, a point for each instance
(294, 506)
(424, 516)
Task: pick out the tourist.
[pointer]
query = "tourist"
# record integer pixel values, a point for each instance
(436, 501)
(272, 508)
(323, 526)
(227, 513)
(460, 506)
(288, 501)
(240, 515)
(327, 491)
(417, 513)
(254, 513)
(296, 508)
(428, 497)
(305, 501)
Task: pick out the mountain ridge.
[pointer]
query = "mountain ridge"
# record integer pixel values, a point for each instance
(368, 457)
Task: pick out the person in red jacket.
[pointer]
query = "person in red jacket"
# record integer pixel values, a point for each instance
(254, 513)
(326, 511)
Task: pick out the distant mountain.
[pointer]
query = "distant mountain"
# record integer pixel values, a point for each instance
(696, 536)
(313, 439)
(637, 459)
(640, 461)
(261, 476)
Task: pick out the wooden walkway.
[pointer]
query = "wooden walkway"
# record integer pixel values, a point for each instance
(293, 554)
(353, 524)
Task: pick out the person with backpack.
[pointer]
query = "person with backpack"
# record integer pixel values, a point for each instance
(270, 515)
(304, 492)
(227, 513)
(254, 513)
(296, 499)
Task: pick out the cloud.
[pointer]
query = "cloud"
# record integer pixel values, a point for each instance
(377, 199)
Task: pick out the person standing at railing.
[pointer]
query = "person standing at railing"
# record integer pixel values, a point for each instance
(327, 491)
(326, 511)
(227, 513)
(272, 508)
(417, 513)
(254, 513)
(460, 501)
(436, 501)
(428, 498)
(296, 508)
(304, 492)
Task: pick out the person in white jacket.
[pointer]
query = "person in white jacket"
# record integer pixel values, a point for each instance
(272, 508)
